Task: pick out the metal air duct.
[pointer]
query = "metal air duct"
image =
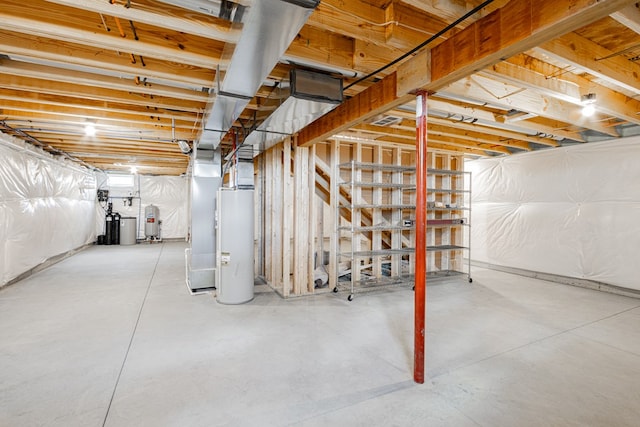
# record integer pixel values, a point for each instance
(311, 95)
(269, 28)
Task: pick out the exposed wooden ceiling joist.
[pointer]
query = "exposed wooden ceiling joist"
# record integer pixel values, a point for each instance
(588, 56)
(65, 62)
(516, 27)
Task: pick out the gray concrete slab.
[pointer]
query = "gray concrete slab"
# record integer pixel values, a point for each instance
(118, 322)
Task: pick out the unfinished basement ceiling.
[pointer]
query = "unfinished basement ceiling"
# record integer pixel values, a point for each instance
(144, 73)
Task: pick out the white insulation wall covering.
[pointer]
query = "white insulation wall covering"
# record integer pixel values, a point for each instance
(169, 193)
(46, 207)
(569, 211)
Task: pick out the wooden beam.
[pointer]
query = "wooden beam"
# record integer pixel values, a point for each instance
(480, 120)
(450, 10)
(163, 15)
(354, 18)
(43, 72)
(115, 141)
(67, 89)
(484, 89)
(106, 116)
(32, 101)
(453, 143)
(68, 25)
(474, 136)
(514, 28)
(106, 125)
(148, 153)
(375, 100)
(64, 53)
(582, 53)
(409, 26)
(629, 17)
(443, 148)
(368, 57)
(504, 135)
(567, 87)
(407, 131)
(551, 128)
(316, 46)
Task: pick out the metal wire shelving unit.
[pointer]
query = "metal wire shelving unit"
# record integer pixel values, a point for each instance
(386, 194)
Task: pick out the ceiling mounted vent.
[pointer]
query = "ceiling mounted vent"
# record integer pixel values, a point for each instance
(386, 120)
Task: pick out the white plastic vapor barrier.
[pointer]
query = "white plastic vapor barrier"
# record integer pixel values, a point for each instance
(169, 193)
(46, 207)
(569, 211)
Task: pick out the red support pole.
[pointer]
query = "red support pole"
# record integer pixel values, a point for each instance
(421, 237)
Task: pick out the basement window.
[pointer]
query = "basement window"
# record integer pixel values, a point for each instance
(121, 181)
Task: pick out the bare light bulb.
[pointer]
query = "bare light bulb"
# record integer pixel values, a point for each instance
(134, 170)
(588, 110)
(90, 130)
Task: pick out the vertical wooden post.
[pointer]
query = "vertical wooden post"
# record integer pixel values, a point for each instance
(278, 251)
(421, 231)
(259, 193)
(301, 221)
(287, 207)
(268, 214)
(313, 216)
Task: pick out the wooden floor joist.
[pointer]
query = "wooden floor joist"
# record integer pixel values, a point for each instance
(514, 28)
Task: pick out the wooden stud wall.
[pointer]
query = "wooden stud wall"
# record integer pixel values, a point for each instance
(295, 203)
(289, 206)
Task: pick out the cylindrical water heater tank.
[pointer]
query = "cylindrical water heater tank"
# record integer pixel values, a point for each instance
(151, 226)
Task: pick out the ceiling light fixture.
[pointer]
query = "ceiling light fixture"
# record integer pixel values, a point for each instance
(134, 170)
(588, 102)
(90, 130)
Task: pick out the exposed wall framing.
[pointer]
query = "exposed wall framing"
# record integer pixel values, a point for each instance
(299, 210)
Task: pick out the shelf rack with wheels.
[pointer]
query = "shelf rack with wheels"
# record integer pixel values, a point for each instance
(378, 242)
(448, 225)
(379, 238)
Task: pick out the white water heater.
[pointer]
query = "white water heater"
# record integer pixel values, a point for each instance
(234, 272)
(152, 222)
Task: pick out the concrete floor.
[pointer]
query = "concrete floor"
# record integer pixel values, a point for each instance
(111, 337)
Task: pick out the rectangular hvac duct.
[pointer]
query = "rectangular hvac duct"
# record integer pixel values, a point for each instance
(311, 95)
(269, 27)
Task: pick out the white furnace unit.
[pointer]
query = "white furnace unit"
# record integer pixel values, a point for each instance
(234, 244)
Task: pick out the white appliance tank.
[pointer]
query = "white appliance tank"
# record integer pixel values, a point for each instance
(151, 224)
(234, 272)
